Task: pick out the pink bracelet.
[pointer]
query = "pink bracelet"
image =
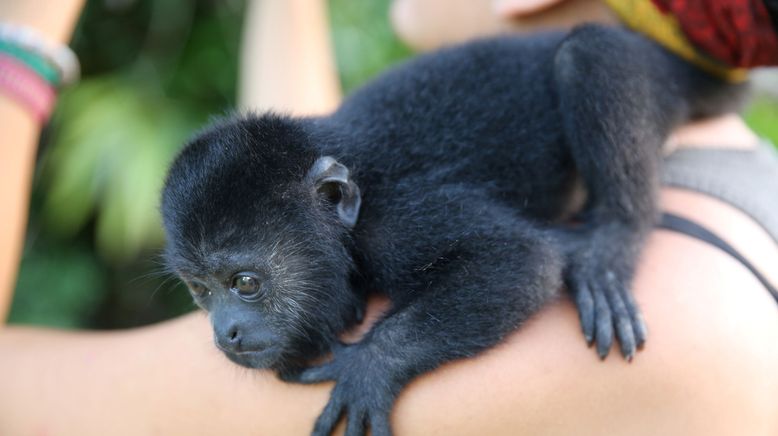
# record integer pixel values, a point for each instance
(24, 85)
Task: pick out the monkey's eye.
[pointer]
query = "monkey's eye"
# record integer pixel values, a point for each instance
(197, 288)
(245, 284)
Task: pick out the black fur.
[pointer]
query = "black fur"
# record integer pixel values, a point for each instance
(466, 161)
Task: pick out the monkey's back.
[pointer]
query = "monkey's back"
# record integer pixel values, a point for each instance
(481, 114)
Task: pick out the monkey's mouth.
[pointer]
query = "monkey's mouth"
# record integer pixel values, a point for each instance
(255, 359)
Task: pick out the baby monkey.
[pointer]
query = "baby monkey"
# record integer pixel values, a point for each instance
(445, 183)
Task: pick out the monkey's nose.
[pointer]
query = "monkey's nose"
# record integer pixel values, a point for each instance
(230, 339)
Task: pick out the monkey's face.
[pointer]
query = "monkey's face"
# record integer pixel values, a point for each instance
(272, 303)
(258, 228)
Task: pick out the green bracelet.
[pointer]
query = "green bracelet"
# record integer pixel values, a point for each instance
(32, 60)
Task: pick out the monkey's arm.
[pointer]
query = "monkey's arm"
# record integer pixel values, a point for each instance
(491, 280)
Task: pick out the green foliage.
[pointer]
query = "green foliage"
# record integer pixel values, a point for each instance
(762, 116)
(59, 286)
(117, 130)
(114, 142)
(364, 41)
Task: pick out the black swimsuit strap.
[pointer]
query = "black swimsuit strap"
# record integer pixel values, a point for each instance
(690, 228)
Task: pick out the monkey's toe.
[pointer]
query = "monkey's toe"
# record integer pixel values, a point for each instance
(379, 424)
(622, 321)
(329, 418)
(623, 318)
(638, 324)
(603, 323)
(585, 302)
(605, 308)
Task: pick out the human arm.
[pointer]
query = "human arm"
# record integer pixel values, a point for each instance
(55, 22)
(287, 63)
(708, 369)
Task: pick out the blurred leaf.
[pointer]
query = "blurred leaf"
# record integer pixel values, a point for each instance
(109, 160)
(762, 116)
(206, 68)
(365, 43)
(108, 38)
(59, 286)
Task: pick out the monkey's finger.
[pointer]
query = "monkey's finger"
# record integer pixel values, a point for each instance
(290, 377)
(355, 424)
(379, 424)
(329, 418)
(318, 374)
(603, 324)
(585, 303)
(638, 324)
(359, 314)
(336, 348)
(622, 322)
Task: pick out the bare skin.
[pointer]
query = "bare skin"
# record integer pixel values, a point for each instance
(707, 369)
(286, 58)
(20, 137)
(421, 24)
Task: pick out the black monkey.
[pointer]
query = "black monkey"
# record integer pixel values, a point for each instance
(444, 183)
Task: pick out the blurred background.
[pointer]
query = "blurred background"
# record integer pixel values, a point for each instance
(153, 72)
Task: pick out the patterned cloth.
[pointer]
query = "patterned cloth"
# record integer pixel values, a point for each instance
(723, 37)
(739, 33)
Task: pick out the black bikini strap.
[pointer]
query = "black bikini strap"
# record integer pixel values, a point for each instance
(690, 228)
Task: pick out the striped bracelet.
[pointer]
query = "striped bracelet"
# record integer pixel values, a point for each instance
(23, 84)
(34, 62)
(59, 57)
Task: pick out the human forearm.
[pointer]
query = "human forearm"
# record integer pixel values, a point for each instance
(708, 369)
(54, 20)
(165, 379)
(18, 154)
(287, 61)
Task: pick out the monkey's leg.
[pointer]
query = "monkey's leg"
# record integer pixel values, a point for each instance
(467, 300)
(620, 95)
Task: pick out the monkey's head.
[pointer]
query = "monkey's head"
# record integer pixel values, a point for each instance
(258, 226)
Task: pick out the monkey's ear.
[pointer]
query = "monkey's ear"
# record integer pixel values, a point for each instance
(331, 180)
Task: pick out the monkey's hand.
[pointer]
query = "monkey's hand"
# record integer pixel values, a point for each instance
(363, 391)
(599, 274)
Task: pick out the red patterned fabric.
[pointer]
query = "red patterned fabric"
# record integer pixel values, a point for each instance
(737, 32)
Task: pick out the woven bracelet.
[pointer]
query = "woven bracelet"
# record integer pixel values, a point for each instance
(60, 57)
(19, 81)
(32, 60)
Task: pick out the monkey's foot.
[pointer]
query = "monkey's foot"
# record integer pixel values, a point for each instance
(363, 393)
(605, 305)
